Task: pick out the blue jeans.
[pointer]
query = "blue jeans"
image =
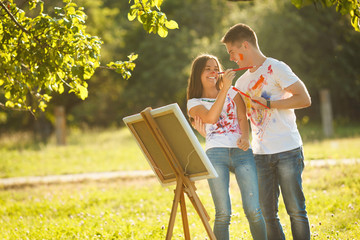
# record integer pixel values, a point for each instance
(243, 165)
(283, 171)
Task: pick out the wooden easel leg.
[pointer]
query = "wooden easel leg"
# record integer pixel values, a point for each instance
(200, 209)
(178, 192)
(184, 216)
(183, 183)
(197, 203)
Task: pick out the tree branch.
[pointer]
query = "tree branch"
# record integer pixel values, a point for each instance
(20, 26)
(17, 109)
(106, 67)
(12, 17)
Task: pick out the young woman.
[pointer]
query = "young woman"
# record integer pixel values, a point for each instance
(222, 110)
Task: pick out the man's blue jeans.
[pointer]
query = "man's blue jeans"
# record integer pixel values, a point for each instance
(283, 171)
(243, 165)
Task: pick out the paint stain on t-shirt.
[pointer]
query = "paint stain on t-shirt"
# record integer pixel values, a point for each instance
(259, 83)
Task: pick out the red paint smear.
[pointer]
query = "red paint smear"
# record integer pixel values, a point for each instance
(270, 71)
(258, 83)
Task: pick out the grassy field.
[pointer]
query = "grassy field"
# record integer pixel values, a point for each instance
(91, 151)
(140, 209)
(116, 149)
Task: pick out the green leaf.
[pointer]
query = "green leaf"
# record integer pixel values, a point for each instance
(158, 3)
(83, 92)
(61, 88)
(8, 95)
(162, 31)
(355, 23)
(41, 7)
(71, 11)
(46, 97)
(131, 17)
(87, 73)
(42, 105)
(133, 57)
(9, 104)
(171, 24)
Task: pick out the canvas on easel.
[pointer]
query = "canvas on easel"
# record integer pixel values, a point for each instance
(176, 156)
(181, 139)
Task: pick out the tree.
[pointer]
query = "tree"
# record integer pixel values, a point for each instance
(320, 46)
(162, 68)
(350, 7)
(44, 54)
(164, 63)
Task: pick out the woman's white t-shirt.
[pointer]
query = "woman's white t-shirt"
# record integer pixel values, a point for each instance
(226, 131)
(273, 130)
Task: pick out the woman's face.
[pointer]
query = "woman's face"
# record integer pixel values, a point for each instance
(209, 75)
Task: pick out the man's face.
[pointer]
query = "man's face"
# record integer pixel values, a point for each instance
(236, 52)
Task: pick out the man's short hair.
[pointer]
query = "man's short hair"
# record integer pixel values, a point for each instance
(240, 33)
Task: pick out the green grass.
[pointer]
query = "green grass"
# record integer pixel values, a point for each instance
(343, 144)
(116, 149)
(346, 148)
(140, 209)
(91, 151)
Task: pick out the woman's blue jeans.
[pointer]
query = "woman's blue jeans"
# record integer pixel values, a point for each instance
(283, 171)
(243, 165)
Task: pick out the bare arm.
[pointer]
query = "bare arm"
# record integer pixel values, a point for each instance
(243, 142)
(300, 98)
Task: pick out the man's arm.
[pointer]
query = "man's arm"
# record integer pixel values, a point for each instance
(300, 98)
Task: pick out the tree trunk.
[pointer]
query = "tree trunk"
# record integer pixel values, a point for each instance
(326, 112)
(60, 125)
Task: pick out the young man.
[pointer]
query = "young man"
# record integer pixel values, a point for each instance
(276, 141)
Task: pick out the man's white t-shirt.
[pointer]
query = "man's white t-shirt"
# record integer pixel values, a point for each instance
(226, 131)
(273, 130)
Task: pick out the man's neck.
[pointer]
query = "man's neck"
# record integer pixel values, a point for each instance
(258, 60)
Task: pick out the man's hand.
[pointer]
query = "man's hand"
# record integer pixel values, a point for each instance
(257, 105)
(299, 98)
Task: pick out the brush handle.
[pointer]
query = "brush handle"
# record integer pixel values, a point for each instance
(238, 69)
(244, 94)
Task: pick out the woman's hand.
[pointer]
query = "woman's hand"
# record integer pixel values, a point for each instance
(199, 126)
(228, 77)
(243, 143)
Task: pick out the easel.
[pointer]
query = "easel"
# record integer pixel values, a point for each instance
(184, 184)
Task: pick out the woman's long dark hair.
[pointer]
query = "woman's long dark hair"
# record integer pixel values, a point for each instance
(195, 88)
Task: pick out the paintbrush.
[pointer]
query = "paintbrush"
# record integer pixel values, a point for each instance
(239, 69)
(244, 94)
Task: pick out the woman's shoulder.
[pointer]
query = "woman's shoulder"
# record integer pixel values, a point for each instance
(193, 102)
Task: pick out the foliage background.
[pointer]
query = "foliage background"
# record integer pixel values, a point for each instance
(319, 44)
